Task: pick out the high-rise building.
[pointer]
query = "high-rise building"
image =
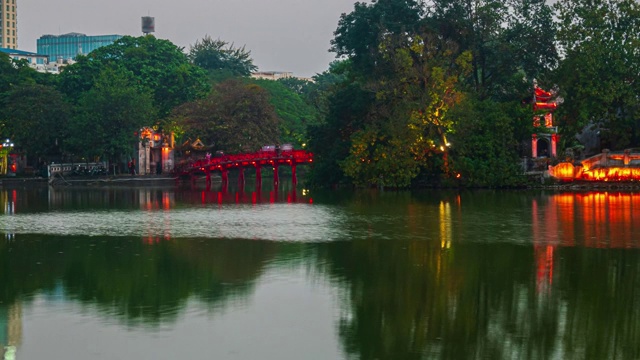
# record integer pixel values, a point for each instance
(8, 25)
(68, 46)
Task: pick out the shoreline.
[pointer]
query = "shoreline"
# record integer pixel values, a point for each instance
(159, 180)
(95, 181)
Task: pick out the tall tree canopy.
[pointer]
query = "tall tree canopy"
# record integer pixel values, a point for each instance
(108, 115)
(220, 56)
(295, 114)
(38, 117)
(420, 60)
(12, 74)
(156, 65)
(235, 117)
(598, 77)
(506, 39)
(412, 73)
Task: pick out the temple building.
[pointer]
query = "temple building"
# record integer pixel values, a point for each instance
(156, 153)
(544, 143)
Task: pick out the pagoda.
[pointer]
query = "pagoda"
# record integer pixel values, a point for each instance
(544, 143)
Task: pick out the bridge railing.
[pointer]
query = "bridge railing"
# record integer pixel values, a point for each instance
(255, 159)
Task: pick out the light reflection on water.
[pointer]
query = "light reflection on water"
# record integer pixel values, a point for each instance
(278, 222)
(589, 219)
(369, 275)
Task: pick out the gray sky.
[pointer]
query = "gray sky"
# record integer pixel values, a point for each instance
(282, 35)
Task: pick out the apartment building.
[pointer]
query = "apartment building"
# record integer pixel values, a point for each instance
(9, 24)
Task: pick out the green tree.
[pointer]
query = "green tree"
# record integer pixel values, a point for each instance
(413, 74)
(157, 65)
(295, 114)
(38, 118)
(218, 56)
(485, 147)
(505, 39)
(108, 116)
(12, 74)
(360, 33)
(348, 106)
(235, 117)
(597, 76)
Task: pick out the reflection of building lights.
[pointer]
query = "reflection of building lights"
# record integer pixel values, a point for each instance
(445, 225)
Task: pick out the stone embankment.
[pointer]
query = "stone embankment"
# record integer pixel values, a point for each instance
(589, 186)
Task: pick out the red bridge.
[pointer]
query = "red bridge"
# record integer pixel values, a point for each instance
(255, 160)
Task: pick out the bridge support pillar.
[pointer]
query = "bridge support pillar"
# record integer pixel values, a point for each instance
(294, 178)
(258, 175)
(208, 173)
(225, 176)
(241, 177)
(275, 175)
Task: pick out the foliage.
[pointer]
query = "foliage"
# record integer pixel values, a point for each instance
(324, 84)
(485, 148)
(360, 32)
(158, 66)
(413, 74)
(222, 57)
(420, 61)
(299, 86)
(12, 74)
(597, 77)
(504, 38)
(37, 117)
(295, 114)
(348, 107)
(235, 117)
(108, 116)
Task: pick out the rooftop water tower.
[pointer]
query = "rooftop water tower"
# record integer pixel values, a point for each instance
(148, 25)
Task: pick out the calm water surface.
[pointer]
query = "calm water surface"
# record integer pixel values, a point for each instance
(278, 273)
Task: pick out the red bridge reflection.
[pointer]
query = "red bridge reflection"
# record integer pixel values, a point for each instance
(256, 160)
(252, 197)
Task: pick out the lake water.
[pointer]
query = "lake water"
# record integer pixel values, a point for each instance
(284, 273)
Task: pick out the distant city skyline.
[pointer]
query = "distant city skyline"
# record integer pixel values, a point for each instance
(285, 35)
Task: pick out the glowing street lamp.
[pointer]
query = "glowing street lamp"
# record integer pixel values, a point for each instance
(5, 149)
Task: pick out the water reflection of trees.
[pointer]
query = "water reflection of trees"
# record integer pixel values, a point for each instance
(414, 300)
(482, 281)
(125, 278)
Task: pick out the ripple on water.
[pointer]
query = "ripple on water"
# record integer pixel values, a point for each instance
(276, 222)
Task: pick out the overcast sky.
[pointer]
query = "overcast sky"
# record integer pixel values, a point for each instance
(282, 35)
